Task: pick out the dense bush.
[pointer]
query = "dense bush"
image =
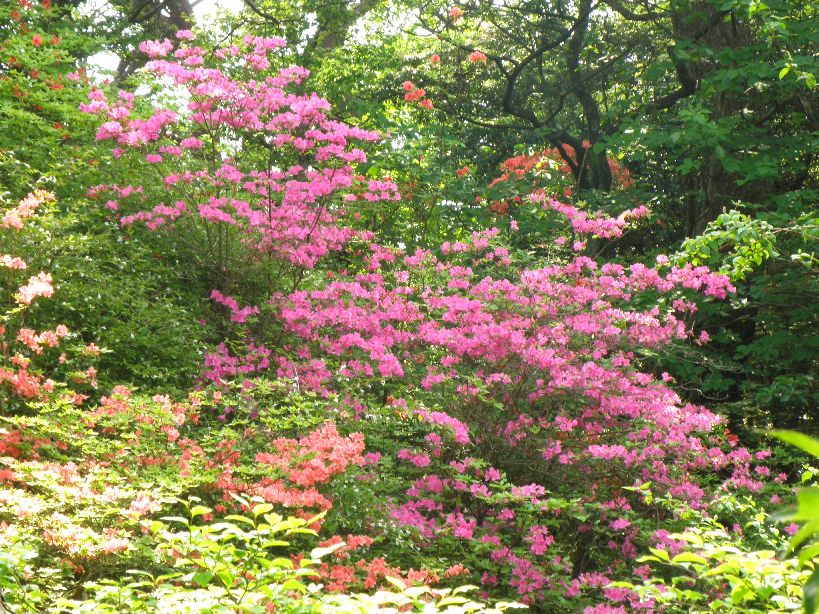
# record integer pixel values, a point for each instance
(236, 375)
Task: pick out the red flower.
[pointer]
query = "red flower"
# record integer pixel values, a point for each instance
(415, 95)
(36, 40)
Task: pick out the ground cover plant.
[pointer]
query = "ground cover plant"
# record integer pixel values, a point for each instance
(289, 325)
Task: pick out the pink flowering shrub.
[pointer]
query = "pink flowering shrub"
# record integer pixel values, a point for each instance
(253, 172)
(539, 399)
(520, 531)
(259, 172)
(550, 351)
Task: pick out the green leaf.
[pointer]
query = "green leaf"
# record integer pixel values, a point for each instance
(281, 563)
(301, 530)
(693, 538)
(168, 576)
(396, 582)
(225, 577)
(178, 519)
(453, 600)
(800, 440)
(237, 518)
(808, 553)
(275, 543)
(261, 508)
(661, 554)
(293, 585)
(199, 510)
(720, 569)
(202, 578)
(810, 592)
(689, 557)
(317, 553)
(808, 504)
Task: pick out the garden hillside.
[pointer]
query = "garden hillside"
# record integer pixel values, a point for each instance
(409, 306)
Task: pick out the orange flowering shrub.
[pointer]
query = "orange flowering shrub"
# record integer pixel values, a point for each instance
(548, 172)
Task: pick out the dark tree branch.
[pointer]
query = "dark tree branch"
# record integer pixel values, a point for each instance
(617, 6)
(263, 14)
(688, 83)
(684, 70)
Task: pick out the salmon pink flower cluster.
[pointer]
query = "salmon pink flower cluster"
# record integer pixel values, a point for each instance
(316, 457)
(38, 285)
(542, 185)
(27, 207)
(299, 466)
(19, 343)
(417, 94)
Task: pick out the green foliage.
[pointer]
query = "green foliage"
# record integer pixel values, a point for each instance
(116, 505)
(716, 575)
(734, 243)
(40, 122)
(224, 566)
(749, 568)
(806, 513)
